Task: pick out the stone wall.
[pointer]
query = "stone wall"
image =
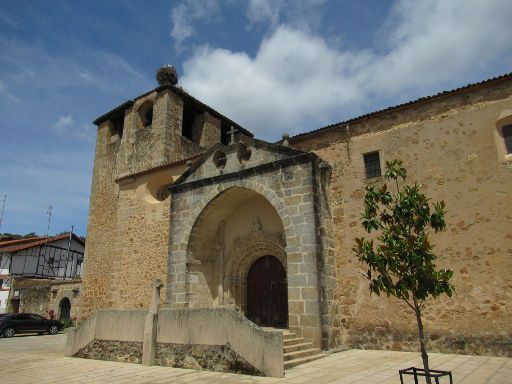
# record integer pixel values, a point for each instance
(263, 349)
(140, 239)
(218, 358)
(120, 351)
(34, 295)
(100, 253)
(128, 215)
(40, 295)
(221, 334)
(447, 144)
(66, 289)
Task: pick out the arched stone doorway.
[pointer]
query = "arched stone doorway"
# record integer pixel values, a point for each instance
(65, 309)
(267, 294)
(236, 229)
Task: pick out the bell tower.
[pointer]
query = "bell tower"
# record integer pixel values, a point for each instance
(142, 146)
(159, 127)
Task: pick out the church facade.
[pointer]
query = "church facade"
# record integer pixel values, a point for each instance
(183, 194)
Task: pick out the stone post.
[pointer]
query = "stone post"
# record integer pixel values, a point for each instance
(150, 326)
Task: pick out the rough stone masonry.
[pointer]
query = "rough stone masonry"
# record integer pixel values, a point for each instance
(178, 200)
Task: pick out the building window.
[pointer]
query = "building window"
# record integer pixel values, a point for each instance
(116, 127)
(372, 164)
(503, 136)
(146, 114)
(148, 117)
(507, 136)
(192, 122)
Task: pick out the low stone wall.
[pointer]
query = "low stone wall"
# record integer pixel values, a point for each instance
(121, 351)
(219, 358)
(118, 325)
(222, 326)
(442, 342)
(216, 339)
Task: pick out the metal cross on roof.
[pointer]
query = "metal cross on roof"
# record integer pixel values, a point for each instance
(232, 133)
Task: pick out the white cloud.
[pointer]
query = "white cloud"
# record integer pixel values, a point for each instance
(301, 14)
(186, 14)
(296, 78)
(5, 93)
(66, 127)
(64, 123)
(8, 20)
(284, 85)
(435, 41)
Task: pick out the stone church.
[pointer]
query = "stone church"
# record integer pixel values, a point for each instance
(183, 194)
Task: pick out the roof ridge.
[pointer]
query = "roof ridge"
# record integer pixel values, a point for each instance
(40, 241)
(179, 90)
(23, 240)
(402, 105)
(159, 167)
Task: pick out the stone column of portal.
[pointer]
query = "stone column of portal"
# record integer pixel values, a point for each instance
(150, 326)
(221, 248)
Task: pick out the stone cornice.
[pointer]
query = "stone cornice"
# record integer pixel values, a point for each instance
(294, 160)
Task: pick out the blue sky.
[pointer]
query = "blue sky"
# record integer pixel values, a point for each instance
(271, 65)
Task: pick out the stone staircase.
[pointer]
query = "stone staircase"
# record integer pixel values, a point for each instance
(298, 351)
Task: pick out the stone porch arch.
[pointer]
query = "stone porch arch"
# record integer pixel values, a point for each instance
(290, 191)
(214, 194)
(210, 259)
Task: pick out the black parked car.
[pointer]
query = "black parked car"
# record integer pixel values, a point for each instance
(28, 323)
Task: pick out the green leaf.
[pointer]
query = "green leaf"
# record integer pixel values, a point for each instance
(402, 262)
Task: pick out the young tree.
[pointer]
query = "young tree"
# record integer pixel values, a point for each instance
(402, 264)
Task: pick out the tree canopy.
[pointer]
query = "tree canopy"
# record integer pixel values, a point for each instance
(401, 262)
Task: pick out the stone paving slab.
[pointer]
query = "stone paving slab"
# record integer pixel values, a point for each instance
(31, 359)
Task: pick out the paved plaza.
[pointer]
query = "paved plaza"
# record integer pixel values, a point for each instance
(38, 359)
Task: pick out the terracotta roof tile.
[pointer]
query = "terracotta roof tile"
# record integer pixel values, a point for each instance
(39, 241)
(9, 243)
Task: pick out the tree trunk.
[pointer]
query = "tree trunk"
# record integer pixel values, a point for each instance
(424, 355)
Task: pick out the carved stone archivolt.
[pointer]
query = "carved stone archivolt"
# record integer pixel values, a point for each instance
(258, 234)
(245, 251)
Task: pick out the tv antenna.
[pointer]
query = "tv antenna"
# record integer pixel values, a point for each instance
(49, 213)
(2, 213)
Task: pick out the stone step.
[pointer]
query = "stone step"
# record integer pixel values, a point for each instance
(293, 341)
(302, 360)
(297, 347)
(289, 335)
(302, 353)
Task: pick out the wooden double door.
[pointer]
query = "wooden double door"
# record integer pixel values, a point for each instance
(267, 293)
